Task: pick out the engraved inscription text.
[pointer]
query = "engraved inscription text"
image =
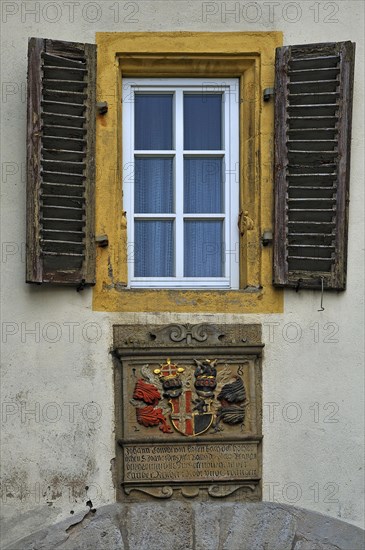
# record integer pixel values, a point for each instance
(196, 462)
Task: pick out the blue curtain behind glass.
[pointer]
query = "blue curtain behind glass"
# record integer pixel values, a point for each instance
(153, 121)
(153, 248)
(203, 249)
(203, 191)
(153, 185)
(202, 122)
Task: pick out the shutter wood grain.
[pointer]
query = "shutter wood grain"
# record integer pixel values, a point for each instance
(313, 110)
(60, 162)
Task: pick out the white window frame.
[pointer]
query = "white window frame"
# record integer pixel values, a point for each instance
(229, 88)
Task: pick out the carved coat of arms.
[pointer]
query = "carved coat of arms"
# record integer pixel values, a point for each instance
(189, 399)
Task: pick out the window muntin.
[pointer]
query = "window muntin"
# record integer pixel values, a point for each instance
(181, 138)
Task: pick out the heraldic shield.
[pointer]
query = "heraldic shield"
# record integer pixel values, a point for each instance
(185, 397)
(189, 417)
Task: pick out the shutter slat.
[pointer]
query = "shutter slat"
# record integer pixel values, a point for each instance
(312, 176)
(50, 241)
(62, 61)
(63, 208)
(64, 163)
(63, 108)
(310, 188)
(306, 130)
(63, 104)
(54, 188)
(316, 70)
(66, 140)
(62, 94)
(68, 151)
(58, 246)
(63, 231)
(44, 196)
(63, 235)
(76, 145)
(295, 222)
(74, 254)
(64, 221)
(305, 86)
(66, 116)
(60, 155)
(61, 171)
(311, 246)
(314, 258)
(54, 83)
(61, 174)
(307, 74)
(319, 235)
(322, 58)
(66, 68)
(314, 105)
(309, 152)
(69, 129)
(311, 200)
(313, 95)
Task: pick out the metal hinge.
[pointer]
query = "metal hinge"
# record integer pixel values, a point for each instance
(268, 93)
(102, 241)
(102, 107)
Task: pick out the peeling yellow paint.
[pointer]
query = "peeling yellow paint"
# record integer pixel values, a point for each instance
(249, 56)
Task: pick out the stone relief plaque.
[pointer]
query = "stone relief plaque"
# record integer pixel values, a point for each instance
(189, 410)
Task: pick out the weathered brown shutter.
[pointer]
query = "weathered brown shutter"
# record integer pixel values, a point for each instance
(60, 162)
(313, 109)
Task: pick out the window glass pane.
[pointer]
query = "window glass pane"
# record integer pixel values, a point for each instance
(203, 248)
(153, 248)
(202, 121)
(203, 186)
(153, 121)
(153, 189)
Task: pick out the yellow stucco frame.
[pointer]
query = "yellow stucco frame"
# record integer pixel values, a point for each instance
(250, 57)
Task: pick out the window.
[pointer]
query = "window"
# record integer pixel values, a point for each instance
(247, 57)
(185, 263)
(194, 267)
(180, 150)
(65, 202)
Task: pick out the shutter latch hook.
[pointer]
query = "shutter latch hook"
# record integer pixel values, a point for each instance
(81, 286)
(298, 285)
(322, 288)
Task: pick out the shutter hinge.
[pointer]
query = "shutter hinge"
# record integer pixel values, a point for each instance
(267, 237)
(102, 107)
(102, 241)
(268, 93)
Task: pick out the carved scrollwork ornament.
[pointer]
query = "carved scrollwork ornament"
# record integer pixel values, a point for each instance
(189, 334)
(245, 223)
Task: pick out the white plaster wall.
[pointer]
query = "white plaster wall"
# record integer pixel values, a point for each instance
(313, 362)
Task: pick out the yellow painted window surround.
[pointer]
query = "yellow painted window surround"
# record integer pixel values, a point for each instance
(248, 56)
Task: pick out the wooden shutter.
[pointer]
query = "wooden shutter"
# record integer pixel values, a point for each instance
(313, 108)
(60, 162)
